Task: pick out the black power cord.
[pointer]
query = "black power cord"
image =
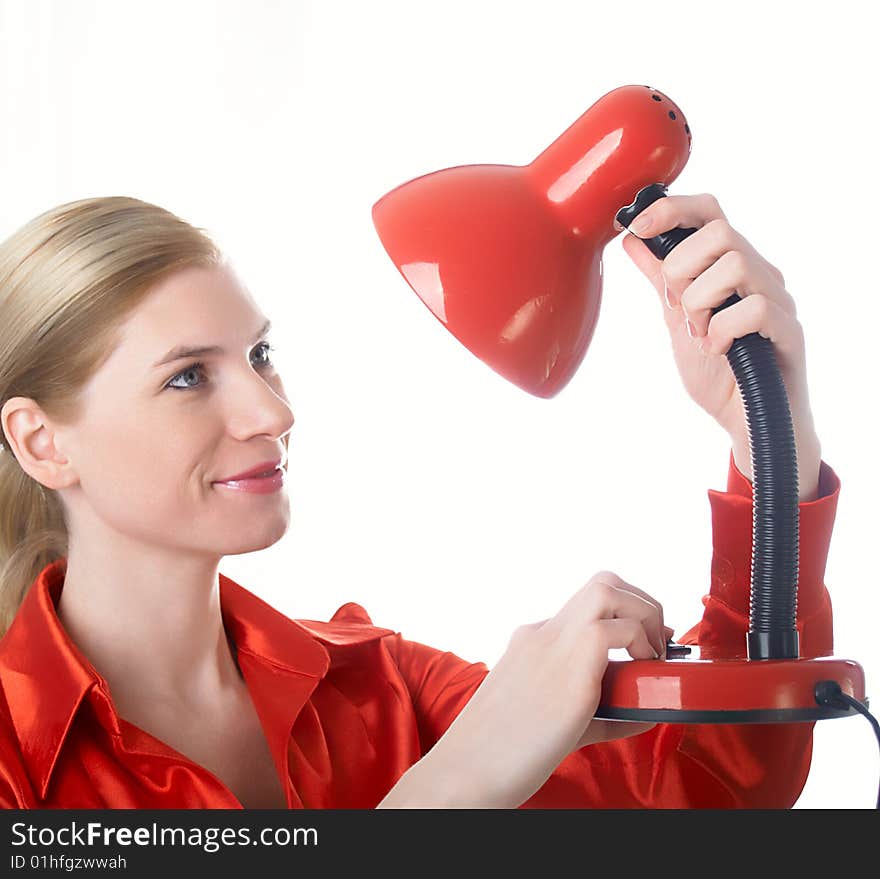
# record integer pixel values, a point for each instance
(829, 693)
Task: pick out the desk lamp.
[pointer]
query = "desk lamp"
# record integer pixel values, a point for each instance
(509, 259)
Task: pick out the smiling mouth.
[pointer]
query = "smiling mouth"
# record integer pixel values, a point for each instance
(264, 475)
(272, 469)
(262, 484)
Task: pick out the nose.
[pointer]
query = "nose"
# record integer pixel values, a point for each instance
(259, 406)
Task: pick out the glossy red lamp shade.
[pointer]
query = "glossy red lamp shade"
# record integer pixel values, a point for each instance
(509, 258)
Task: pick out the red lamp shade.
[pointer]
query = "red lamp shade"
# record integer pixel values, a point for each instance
(509, 257)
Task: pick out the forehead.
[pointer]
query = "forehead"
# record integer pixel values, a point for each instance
(193, 306)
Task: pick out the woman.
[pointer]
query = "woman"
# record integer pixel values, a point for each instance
(135, 675)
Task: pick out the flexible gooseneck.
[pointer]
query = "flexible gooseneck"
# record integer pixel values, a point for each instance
(775, 521)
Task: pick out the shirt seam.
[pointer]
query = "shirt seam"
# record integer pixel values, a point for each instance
(468, 669)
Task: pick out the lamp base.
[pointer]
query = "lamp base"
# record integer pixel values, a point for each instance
(739, 690)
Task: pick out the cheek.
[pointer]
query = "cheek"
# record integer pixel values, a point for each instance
(137, 471)
(150, 481)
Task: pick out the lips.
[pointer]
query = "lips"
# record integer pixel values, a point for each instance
(264, 469)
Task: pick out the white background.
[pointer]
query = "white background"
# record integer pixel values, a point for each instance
(449, 503)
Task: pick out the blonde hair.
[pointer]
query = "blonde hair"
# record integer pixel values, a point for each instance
(69, 278)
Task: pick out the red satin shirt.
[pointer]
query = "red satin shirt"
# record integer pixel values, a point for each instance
(347, 707)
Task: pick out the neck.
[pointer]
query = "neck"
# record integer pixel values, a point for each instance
(149, 620)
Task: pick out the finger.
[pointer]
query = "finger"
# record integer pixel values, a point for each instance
(731, 260)
(759, 314)
(600, 600)
(626, 633)
(652, 269)
(616, 580)
(732, 273)
(779, 276)
(646, 262)
(678, 211)
(609, 730)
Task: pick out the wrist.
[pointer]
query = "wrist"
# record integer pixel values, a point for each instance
(431, 783)
(808, 475)
(809, 460)
(414, 790)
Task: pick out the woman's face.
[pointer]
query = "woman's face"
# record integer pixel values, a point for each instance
(153, 439)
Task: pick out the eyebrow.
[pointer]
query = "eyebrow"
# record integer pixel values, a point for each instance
(182, 351)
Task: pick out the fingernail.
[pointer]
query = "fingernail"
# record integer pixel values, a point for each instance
(640, 225)
(692, 330)
(666, 294)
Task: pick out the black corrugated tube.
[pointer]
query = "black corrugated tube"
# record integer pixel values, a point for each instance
(775, 518)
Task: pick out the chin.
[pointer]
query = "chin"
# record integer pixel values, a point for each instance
(258, 535)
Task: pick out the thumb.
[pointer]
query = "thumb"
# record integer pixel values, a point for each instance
(647, 263)
(610, 730)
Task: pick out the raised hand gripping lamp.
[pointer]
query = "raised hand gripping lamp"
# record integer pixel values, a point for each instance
(509, 259)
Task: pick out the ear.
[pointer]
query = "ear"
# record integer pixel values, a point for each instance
(33, 438)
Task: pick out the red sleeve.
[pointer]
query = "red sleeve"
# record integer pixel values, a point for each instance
(440, 685)
(678, 766)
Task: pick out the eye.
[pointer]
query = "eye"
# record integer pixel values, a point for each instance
(265, 347)
(198, 367)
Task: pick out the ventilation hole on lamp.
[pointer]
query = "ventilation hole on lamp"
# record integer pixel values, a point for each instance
(671, 115)
(657, 97)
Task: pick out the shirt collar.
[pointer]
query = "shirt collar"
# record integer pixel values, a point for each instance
(45, 677)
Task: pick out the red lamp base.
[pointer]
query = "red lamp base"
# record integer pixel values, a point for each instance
(694, 690)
